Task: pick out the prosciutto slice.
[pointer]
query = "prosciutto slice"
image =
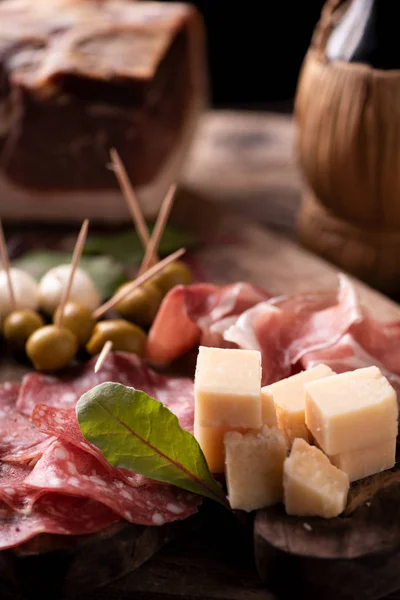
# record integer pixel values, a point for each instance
(291, 332)
(187, 314)
(284, 329)
(346, 355)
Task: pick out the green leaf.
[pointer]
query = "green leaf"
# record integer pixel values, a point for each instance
(106, 273)
(138, 433)
(127, 248)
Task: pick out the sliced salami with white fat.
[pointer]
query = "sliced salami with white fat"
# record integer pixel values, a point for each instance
(66, 469)
(13, 489)
(128, 369)
(20, 440)
(63, 425)
(53, 513)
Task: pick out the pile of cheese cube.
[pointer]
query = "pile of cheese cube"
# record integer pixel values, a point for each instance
(301, 440)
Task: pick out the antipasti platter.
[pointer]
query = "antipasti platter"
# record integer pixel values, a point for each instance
(226, 243)
(174, 369)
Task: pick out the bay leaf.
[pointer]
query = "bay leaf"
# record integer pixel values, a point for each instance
(136, 432)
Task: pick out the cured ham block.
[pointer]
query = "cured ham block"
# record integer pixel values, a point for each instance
(80, 77)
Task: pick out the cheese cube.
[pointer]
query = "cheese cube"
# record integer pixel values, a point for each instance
(211, 441)
(290, 399)
(312, 485)
(268, 411)
(352, 410)
(254, 468)
(227, 388)
(366, 461)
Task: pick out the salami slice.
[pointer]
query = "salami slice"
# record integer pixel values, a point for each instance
(13, 490)
(53, 513)
(63, 425)
(20, 440)
(128, 369)
(66, 469)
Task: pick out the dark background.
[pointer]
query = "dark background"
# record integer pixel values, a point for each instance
(255, 48)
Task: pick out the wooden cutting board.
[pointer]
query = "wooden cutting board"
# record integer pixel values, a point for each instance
(240, 177)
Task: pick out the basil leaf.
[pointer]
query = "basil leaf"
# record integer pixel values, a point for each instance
(127, 248)
(138, 433)
(106, 273)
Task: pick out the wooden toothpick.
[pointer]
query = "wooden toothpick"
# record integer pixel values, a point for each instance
(80, 242)
(149, 274)
(103, 355)
(6, 267)
(152, 246)
(131, 201)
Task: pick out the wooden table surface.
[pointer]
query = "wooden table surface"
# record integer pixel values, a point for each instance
(246, 161)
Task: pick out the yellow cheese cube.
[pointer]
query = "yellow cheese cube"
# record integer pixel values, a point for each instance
(366, 461)
(352, 410)
(254, 468)
(227, 388)
(211, 441)
(312, 485)
(290, 399)
(268, 412)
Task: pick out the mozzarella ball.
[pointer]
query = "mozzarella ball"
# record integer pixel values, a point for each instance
(52, 285)
(25, 289)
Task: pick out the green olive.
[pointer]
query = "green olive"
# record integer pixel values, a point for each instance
(125, 337)
(19, 325)
(51, 348)
(176, 273)
(78, 319)
(141, 305)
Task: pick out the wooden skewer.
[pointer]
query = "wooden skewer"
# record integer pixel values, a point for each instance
(152, 246)
(103, 355)
(99, 312)
(6, 267)
(80, 242)
(132, 201)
